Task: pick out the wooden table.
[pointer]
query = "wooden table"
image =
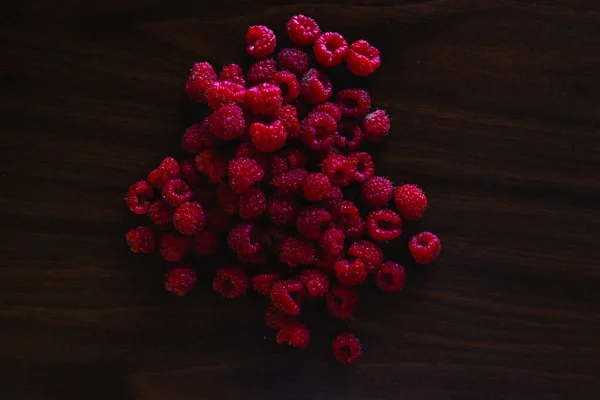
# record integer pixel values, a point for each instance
(495, 109)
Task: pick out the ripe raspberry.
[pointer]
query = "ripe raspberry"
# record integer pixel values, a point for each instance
(356, 230)
(424, 247)
(410, 202)
(288, 84)
(293, 60)
(384, 225)
(332, 241)
(224, 92)
(176, 192)
(161, 214)
(330, 49)
(391, 277)
(205, 243)
(377, 192)
(202, 75)
(342, 301)
(173, 248)
(263, 283)
(218, 220)
(275, 318)
(376, 126)
(276, 167)
(364, 168)
(312, 220)
(302, 30)
(294, 335)
(296, 157)
(353, 102)
(368, 252)
(268, 138)
(189, 218)
(288, 296)
(281, 210)
(190, 174)
(349, 135)
(250, 151)
(294, 252)
(243, 239)
(196, 138)
(244, 172)
(339, 169)
(315, 281)
(288, 115)
(230, 122)
(346, 348)
(180, 279)
(233, 73)
(333, 200)
(291, 181)
(168, 169)
(213, 164)
(318, 131)
(230, 282)
(252, 203)
(315, 86)
(138, 197)
(141, 240)
(350, 273)
(264, 99)
(261, 71)
(261, 41)
(362, 58)
(272, 236)
(228, 200)
(329, 108)
(346, 213)
(316, 187)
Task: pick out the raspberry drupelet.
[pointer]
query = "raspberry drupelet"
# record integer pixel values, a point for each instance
(211, 163)
(277, 319)
(230, 282)
(288, 84)
(264, 99)
(233, 73)
(261, 41)
(173, 248)
(295, 251)
(139, 197)
(294, 335)
(161, 214)
(176, 192)
(180, 279)
(346, 348)
(224, 92)
(244, 172)
(141, 240)
(350, 273)
(189, 218)
(342, 301)
(201, 77)
(316, 187)
(229, 122)
(410, 202)
(288, 296)
(268, 138)
(339, 169)
(293, 60)
(353, 102)
(424, 247)
(168, 169)
(252, 203)
(349, 135)
(391, 277)
(302, 30)
(281, 210)
(312, 220)
(384, 225)
(318, 131)
(196, 138)
(243, 239)
(367, 251)
(377, 192)
(315, 86)
(364, 167)
(315, 281)
(330, 49)
(205, 243)
(376, 126)
(288, 115)
(362, 58)
(263, 283)
(261, 71)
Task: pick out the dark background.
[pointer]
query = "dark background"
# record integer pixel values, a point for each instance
(495, 108)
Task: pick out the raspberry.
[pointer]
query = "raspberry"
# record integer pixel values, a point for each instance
(228, 200)
(168, 169)
(350, 273)
(138, 197)
(293, 60)
(244, 172)
(173, 248)
(268, 138)
(318, 131)
(316, 187)
(141, 240)
(275, 318)
(261, 41)
(356, 230)
(263, 283)
(330, 49)
(161, 214)
(342, 301)
(391, 277)
(230, 282)
(180, 279)
(332, 241)
(410, 202)
(329, 108)
(243, 239)
(196, 138)
(339, 169)
(368, 252)
(224, 92)
(312, 220)
(346, 213)
(281, 210)
(384, 225)
(290, 182)
(315, 281)
(261, 71)
(364, 168)
(349, 135)
(190, 174)
(189, 218)
(294, 335)
(288, 84)
(424, 247)
(302, 30)
(218, 220)
(376, 126)
(202, 75)
(315, 86)
(288, 296)
(233, 73)
(333, 200)
(353, 102)
(252, 203)
(294, 252)
(205, 243)
(346, 348)
(276, 167)
(272, 236)
(250, 151)
(377, 192)
(288, 115)
(211, 163)
(264, 99)
(295, 157)
(230, 122)
(362, 58)
(176, 192)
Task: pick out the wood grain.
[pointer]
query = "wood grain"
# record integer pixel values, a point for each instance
(495, 108)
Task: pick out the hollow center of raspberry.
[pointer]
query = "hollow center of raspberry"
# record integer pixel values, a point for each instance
(228, 285)
(387, 225)
(349, 103)
(345, 353)
(423, 241)
(348, 133)
(339, 175)
(388, 278)
(332, 45)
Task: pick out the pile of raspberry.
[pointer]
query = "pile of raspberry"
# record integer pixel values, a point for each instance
(279, 188)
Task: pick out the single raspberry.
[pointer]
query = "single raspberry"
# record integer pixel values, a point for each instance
(233, 73)
(275, 318)
(277, 166)
(315, 281)
(326, 261)
(294, 252)
(356, 230)
(205, 243)
(281, 210)
(293, 60)
(346, 348)
(161, 214)
(263, 283)
(230, 122)
(353, 102)
(377, 192)
(332, 241)
(272, 236)
(424, 247)
(268, 138)
(376, 126)
(368, 252)
(228, 200)
(318, 131)
(261, 41)
(349, 135)
(329, 108)
(261, 71)
(384, 225)
(288, 115)
(180, 279)
(350, 273)
(288, 296)
(252, 203)
(296, 157)
(218, 220)
(168, 169)
(189, 218)
(288, 84)
(333, 200)
(294, 335)
(391, 277)
(316, 187)
(364, 167)
(243, 239)
(291, 181)
(190, 174)
(196, 138)
(202, 75)
(346, 213)
(312, 220)
(141, 240)
(250, 151)
(230, 282)
(211, 163)
(264, 99)
(330, 49)
(362, 58)
(410, 202)
(244, 172)
(315, 86)
(173, 248)
(339, 169)
(139, 197)
(176, 192)
(302, 30)
(224, 92)
(342, 301)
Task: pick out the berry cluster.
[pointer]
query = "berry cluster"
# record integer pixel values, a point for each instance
(267, 181)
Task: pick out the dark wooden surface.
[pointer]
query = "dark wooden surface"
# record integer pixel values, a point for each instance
(495, 108)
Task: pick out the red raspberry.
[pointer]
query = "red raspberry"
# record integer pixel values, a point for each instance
(312, 220)
(316, 187)
(190, 174)
(264, 99)
(349, 135)
(334, 198)
(202, 75)
(196, 138)
(281, 210)
(263, 283)
(288, 296)
(362, 58)
(424, 247)
(302, 30)
(272, 236)
(288, 115)
(243, 173)
(261, 71)
(218, 220)
(330, 49)
(291, 181)
(252, 203)
(230, 122)
(315, 281)
(294, 335)
(391, 277)
(168, 169)
(368, 252)
(213, 164)
(293, 60)
(250, 151)
(376, 126)
(275, 318)
(141, 240)
(138, 197)
(377, 192)
(268, 138)
(364, 168)
(205, 243)
(346, 213)
(228, 200)
(295, 157)
(339, 169)
(189, 218)
(230, 282)
(384, 225)
(346, 348)
(233, 73)
(350, 273)
(161, 214)
(342, 301)
(410, 202)
(328, 108)
(276, 167)
(243, 239)
(180, 279)
(318, 131)
(355, 231)
(294, 252)
(173, 248)
(288, 84)
(332, 241)
(224, 92)
(261, 41)
(176, 192)
(315, 86)
(353, 102)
